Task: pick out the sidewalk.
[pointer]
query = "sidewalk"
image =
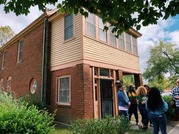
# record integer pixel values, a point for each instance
(172, 128)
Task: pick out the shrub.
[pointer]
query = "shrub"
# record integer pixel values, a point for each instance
(171, 110)
(18, 117)
(108, 125)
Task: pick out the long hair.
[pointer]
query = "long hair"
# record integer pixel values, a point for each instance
(141, 90)
(154, 99)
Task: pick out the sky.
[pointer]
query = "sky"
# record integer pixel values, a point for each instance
(167, 30)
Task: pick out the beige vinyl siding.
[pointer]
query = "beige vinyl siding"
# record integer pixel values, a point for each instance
(100, 52)
(65, 52)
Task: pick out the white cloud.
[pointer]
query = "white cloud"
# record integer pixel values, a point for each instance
(151, 34)
(18, 23)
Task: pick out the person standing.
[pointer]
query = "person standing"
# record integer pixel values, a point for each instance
(148, 89)
(175, 95)
(123, 101)
(142, 97)
(133, 109)
(157, 107)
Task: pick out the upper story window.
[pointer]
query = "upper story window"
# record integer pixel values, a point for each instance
(64, 90)
(9, 84)
(3, 59)
(90, 25)
(121, 41)
(134, 43)
(94, 28)
(102, 33)
(112, 37)
(19, 58)
(128, 42)
(68, 27)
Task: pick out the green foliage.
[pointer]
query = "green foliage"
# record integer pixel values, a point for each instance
(6, 34)
(108, 125)
(159, 64)
(119, 13)
(171, 110)
(33, 99)
(128, 80)
(18, 117)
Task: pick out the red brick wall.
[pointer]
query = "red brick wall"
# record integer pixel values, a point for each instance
(29, 68)
(81, 94)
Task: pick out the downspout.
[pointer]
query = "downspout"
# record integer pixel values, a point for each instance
(44, 64)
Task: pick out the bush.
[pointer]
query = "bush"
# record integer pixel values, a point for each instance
(18, 117)
(108, 125)
(171, 110)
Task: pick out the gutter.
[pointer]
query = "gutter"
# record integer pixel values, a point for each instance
(44, 64)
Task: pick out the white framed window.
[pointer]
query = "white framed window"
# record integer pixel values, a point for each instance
(9, 84)
(134, 43)
(3, 59)
(102, 33)
(33, 86)
(128, 42)
(20, 46)
(121, 41)
(68, 27)
(64, 90)
(91, 25)
(112, 36)
(1, 85)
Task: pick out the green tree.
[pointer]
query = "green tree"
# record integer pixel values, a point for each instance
(159, 64)
(128, 80)
(122, 14)
(6, 33)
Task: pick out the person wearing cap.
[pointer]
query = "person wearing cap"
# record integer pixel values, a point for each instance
(123, 100)
(175, 95)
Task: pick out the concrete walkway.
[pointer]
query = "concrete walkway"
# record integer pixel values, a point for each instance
(171, 128)
(174, 130)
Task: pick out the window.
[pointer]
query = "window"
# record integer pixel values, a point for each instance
(33, 86)
(121, 41)
(19, 58)
(134, 43)
(128, 42)
(112, 37)
(102, 34)
(90, 25)
(1, 85)
(9, 84)
(68, 27)
(3, 59)
(104, 72)
(64, 90)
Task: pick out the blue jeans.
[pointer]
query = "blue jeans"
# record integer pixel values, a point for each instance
(124, 113)
(159, 121)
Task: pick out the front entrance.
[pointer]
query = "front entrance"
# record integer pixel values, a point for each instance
(106, 97)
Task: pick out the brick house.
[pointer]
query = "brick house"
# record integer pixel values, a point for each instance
(71, 64)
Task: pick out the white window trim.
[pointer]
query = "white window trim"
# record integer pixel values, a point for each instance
(57, 100)
(4, 59)
(66, 40)
(19, 51)
(9, 83)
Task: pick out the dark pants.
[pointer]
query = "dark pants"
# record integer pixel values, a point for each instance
(133, 109)
(144, 114)
(159, 121)
(124, 113)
